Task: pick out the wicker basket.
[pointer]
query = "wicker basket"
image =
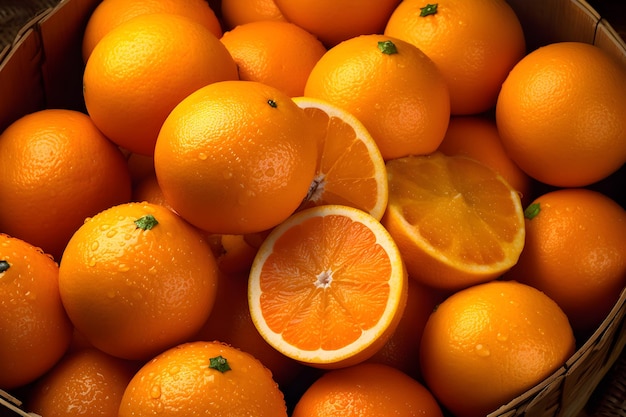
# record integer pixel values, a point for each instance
(40, 66)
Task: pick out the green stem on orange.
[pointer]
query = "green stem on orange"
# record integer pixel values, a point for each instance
(146, 222)
(428, 9)
(387, 47)
(219, 363)
(532, 211)
(4, 265)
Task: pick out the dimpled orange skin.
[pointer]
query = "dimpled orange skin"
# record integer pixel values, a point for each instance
(143, 68)
(34, 329)
(485, 345)
(560, 114)
(235, 157)
(180, 383)
(134, 292)
(575, 252)
(401, 98)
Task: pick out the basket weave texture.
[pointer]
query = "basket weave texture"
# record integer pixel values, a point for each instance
(14, 14)
(593, 382)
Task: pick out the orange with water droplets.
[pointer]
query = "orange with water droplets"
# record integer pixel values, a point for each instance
(235, 157)
(34, 329)
(486, 344)
(136, 279)
(199, 378)
(392, 87)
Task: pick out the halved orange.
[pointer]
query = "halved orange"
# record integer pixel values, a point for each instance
(328, 286)
(350, 168)
(456, 221)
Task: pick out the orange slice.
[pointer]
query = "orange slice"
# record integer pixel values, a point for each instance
(328, 286)
(350, 168)
(456, 221)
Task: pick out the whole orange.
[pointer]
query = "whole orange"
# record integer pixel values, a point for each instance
(474, 43)
(85, 383)
(560, 114)
(111, 13)
(333, 22)
(235, 157)
(485, 345)
(34, 329)
(277, 53)
(238, 12)
(203, 378)
(575, 252)
(366, 389)
(392, 87)
(134, 76)
(57, 169)
(136, 279)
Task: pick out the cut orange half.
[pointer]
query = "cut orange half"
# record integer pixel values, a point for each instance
(350, 168)
(456, 221)
(328, 286)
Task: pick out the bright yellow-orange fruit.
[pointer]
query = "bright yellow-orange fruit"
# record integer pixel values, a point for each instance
(235, 157)
(201, 378)
(57, 168)
(560, 114)
(143, 68)
(84, 383)
(328, 286)
(136, 279)
(485, 345)
(277, 53)
(350, 168)
(238, 12)
(111, 13)
(575, 252)
(474, 43)
(392, 87)
(34, 329)
(456, 221)
(367, 390)
(333, 22)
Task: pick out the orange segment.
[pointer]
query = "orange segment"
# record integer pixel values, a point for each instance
(456, 221)
(350, 168)
(328, 286)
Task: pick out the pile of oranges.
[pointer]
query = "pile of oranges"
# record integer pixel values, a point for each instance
(310, 208)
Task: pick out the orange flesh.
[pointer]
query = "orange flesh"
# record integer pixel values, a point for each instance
(471, 226)
(323, 292)
(346, 174)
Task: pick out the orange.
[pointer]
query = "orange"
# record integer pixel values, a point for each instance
(134, 76)
(474, 43)
(34, 329)
(230, 322)
(561, 114)
(478, 138)
(328, 286)
(487, 344)
(333, 22)
(111, 13)
(393, 88)
(85, 383)
(374, 390)
(235, 157)
(203, 378)
(401, 349)
(238, 12)
(140, 167)
(575, 252)
(236, 254)
(137, 279)
(456, 221)
(148, 190)
(277, 53)
(57, 169)
(350, 168)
